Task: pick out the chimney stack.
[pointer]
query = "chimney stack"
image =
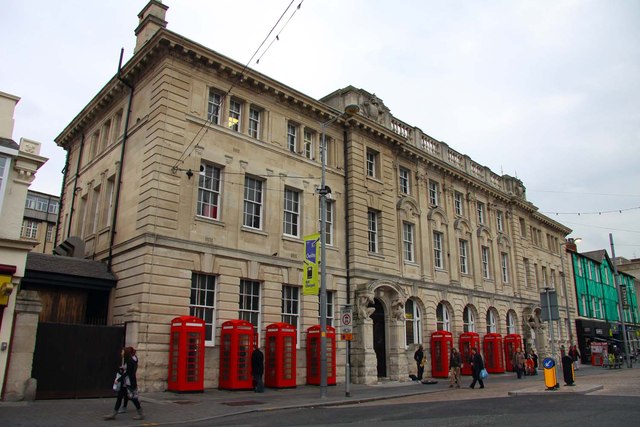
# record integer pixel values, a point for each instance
(151, 20)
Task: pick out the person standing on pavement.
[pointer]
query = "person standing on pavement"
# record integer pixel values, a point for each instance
(418, 356)
(455, 362)
(575, 356)
(257, 369)
(128, 384)
(534, 357)
(518, 362)
(477, 365)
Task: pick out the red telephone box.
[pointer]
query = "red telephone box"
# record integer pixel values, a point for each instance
(313, 355)
(236, 346)
(512, 342)
(468, 340)
(186, 354)
(280, 356)
(441, 344)
(493, 361)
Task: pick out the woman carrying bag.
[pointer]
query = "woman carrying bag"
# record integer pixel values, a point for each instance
(126, 384)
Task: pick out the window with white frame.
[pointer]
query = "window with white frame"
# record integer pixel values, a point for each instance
(407, 240)
(235, 115)
(500, 221)
(464, 257)
(438, 241)
(49, 235)
(29, 229)
(291, 219)
(53, 207)
(405, 183)
(309, 137)
(326, 149)
(202, 303)
(372, 230)
(468, 320)
(213, 106)
(504, 265)
(481, 212)
(413, 323)
(249, 307)
(491, 322)
(585, 308)
(434, 187)
(292, 137)
(511, 323)
(443, 322)
(330, 308)
(457, 203)
(4, 171)
(484, 255)
(255, 118)
(329, 207)
(372, 163)
(252, 216)
(291, 305)
(208, 191)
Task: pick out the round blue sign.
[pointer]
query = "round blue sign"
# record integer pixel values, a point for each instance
(548, 363)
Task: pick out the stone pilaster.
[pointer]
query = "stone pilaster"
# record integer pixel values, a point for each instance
(19, 384)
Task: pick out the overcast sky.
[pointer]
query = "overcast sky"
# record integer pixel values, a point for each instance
(545, 90)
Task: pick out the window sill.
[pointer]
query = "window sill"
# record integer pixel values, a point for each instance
(246, 229)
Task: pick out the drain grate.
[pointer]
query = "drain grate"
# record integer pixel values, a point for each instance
(243, 403)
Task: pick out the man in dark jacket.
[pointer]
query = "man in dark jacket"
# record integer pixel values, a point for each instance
(477, 364)
(257, 369)
(455, 362)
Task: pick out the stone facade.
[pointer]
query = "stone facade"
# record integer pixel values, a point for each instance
(208, 187)
(18, 165)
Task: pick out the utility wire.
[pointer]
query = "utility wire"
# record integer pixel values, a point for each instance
(205, 126)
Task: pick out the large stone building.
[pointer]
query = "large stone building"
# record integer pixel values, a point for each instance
(196, 180)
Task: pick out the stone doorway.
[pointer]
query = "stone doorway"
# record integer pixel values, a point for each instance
(380, 338)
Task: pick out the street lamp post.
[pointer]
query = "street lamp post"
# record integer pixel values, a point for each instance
(323, 191)
(620, 305)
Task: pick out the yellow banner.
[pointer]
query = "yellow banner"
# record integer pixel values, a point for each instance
(311, 284)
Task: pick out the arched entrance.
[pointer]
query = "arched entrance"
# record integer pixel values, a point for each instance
(380, 338)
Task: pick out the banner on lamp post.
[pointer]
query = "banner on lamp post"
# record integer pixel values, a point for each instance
(311, 284)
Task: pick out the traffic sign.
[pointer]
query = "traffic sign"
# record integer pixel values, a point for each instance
(548, 363)
(346, 320)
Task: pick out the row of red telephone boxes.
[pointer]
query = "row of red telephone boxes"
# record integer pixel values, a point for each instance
(237, 342)
(497, 351)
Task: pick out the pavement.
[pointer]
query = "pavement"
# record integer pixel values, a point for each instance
(169, 408)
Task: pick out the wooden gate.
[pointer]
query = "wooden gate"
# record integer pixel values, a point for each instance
(75, 361)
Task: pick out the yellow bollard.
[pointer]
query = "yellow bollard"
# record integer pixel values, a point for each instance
(550, 379)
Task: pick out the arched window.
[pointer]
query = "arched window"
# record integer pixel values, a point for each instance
(491, 322)
(469, 320)
(511, 323)
(413, 323)
(443, 322)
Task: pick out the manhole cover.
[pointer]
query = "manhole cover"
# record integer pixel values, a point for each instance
(242, 403)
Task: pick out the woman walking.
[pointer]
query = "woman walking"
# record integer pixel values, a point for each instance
(128, 384)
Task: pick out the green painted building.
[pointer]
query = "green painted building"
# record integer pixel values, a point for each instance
(598, 303)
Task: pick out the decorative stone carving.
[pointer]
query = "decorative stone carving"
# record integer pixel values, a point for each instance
(364, 311)
(397, 308)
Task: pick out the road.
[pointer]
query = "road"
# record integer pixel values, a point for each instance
(617, 403)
